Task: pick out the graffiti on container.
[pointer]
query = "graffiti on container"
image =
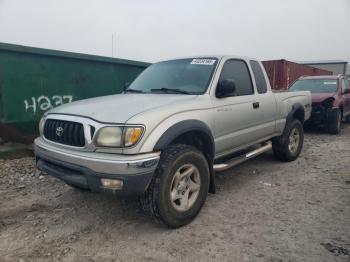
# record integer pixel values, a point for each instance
(45, 103)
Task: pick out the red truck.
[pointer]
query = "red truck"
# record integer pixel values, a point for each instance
(330, 99)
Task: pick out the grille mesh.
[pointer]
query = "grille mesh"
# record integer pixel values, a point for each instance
(64, 132)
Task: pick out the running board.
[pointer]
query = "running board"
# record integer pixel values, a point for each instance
(240, 159)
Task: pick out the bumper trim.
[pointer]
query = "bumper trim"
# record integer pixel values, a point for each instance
(100, 162)
(85, 178)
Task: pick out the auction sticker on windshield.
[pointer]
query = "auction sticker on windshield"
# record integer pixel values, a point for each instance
(330, 83)
(202, 62)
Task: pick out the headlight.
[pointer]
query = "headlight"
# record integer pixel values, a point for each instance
(118, 136)
(41, 126)
(132, 135)
(109, 136)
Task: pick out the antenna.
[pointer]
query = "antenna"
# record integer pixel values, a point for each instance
(112, 45)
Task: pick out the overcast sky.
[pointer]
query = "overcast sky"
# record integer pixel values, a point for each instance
(155, 30)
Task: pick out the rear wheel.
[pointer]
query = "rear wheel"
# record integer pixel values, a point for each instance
(179, 187)
(288, 146)
(335, 123)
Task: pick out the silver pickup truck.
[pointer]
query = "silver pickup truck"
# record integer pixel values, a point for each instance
(164, 138)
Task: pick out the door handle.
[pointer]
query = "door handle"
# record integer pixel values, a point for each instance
(256, 105)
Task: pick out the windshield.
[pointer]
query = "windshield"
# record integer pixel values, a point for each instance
(315, 85)
(185, 76)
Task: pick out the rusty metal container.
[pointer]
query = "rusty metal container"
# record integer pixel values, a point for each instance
(283, 73)
(33, 80)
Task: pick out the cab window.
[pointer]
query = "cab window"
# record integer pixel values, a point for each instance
(344, 86)
(259, 77)
(238, 71)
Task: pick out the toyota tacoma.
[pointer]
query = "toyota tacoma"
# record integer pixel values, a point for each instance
(166, 135)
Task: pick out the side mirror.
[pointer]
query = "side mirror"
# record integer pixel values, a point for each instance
(226, 88)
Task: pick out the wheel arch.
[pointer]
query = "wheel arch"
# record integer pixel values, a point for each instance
(191, 132)
(297, 112)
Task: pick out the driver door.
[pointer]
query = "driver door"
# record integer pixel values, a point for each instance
(236, 117)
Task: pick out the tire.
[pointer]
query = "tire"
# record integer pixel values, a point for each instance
(335, 123)
(347, 119)
(288, 146)
(166, 185)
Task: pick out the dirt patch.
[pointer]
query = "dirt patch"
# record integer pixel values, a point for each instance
(336, 250)
(264, 210)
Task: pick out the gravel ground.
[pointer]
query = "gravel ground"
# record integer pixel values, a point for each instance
(264, 210)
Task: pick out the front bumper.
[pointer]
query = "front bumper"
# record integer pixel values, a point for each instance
(321, 115)
(85, 169)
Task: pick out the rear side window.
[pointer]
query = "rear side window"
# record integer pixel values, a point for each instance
(259, 77)
(237, 70)
(344, 86)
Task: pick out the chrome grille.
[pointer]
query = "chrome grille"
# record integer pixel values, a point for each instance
(64, 132)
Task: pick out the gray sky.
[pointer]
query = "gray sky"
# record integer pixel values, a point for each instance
(154, 30)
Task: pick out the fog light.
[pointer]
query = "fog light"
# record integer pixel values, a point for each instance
(112, 183)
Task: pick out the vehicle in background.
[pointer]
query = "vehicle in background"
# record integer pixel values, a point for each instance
(282, 73)
(173, 127)
(330, 99)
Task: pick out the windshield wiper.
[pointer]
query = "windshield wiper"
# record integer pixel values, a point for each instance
(168, 90)
(133, 91)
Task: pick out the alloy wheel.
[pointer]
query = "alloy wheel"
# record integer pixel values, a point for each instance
(185, 187)
(294, 140)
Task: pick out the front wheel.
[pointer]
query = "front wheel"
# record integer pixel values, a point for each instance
(179, 187)
(288, 146)
(335, 122)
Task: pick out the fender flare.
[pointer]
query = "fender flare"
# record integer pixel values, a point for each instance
(296, 107)
(183, 127)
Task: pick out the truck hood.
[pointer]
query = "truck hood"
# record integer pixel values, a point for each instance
(320, 97)
(119, 108)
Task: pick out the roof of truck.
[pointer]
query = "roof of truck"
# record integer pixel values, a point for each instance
(213, 56)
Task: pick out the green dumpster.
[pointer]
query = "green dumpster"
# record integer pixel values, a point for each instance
(33, 80)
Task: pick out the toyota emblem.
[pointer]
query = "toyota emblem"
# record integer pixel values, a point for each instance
(59, 131)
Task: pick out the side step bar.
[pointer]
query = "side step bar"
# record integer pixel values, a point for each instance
(240, 159)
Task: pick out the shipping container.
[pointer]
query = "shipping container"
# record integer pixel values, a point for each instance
(283, 73)
(33, 80)
(338, 67)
